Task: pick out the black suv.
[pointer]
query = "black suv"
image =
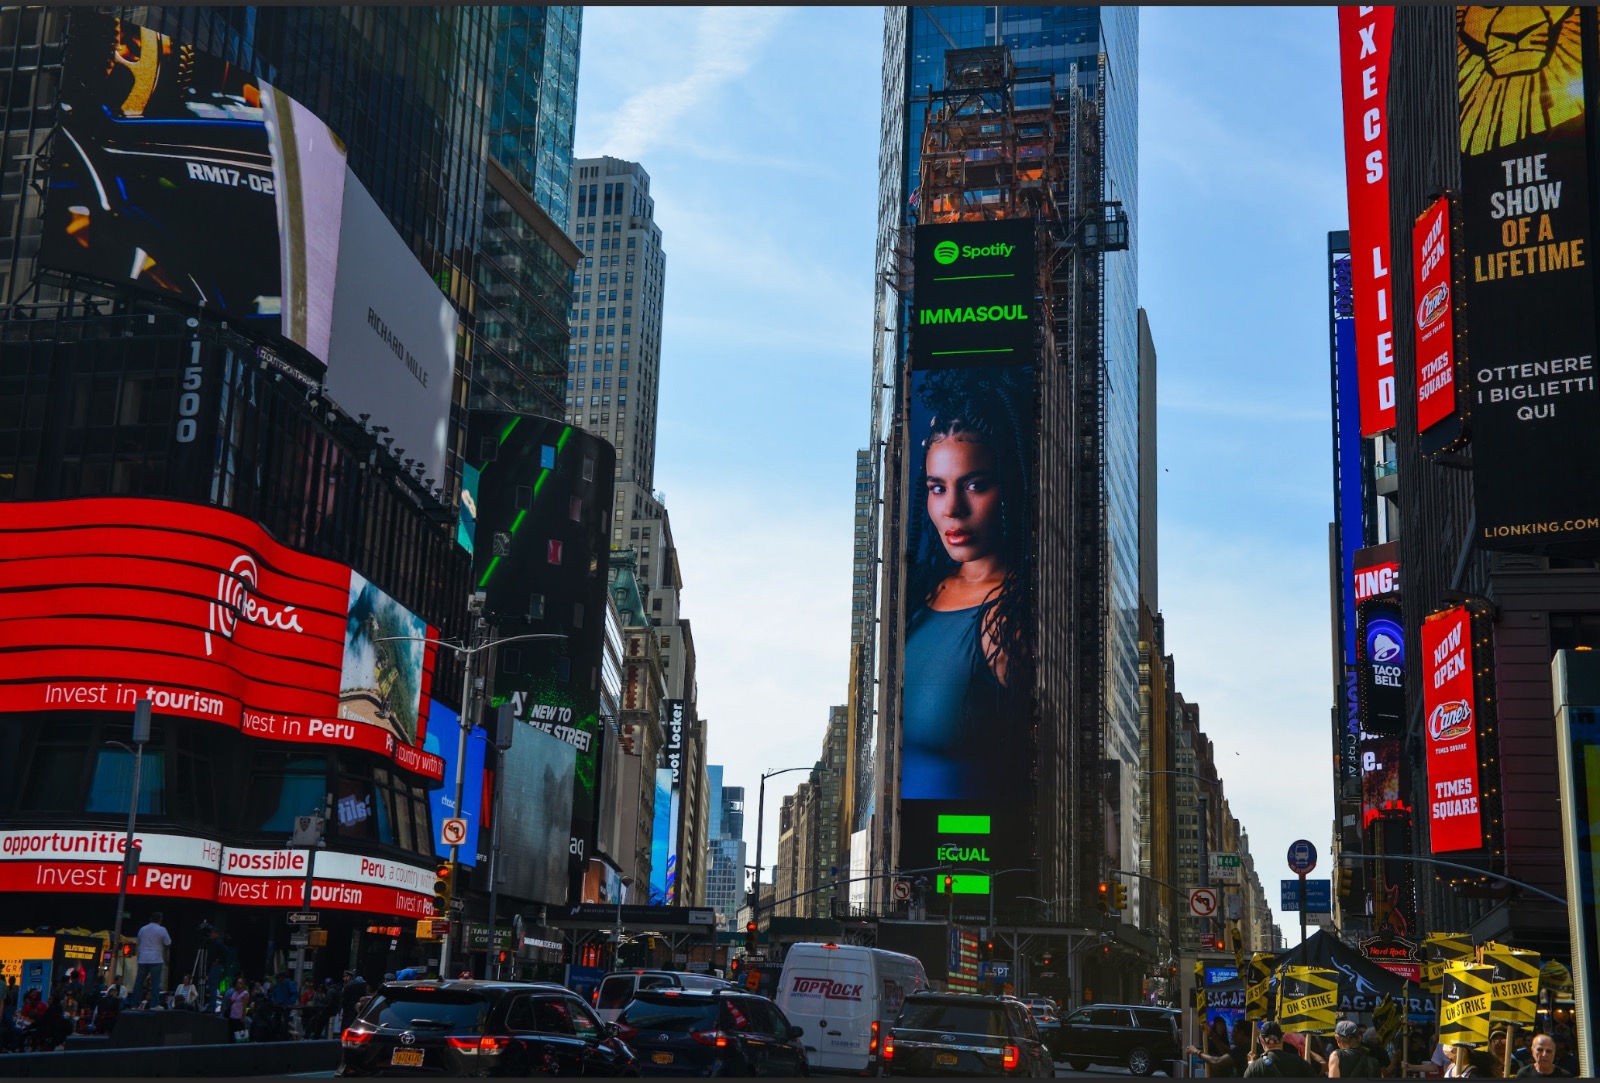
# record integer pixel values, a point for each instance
(460, 1028)
(711, 1032)
(1141, 1037)
(962, 1034)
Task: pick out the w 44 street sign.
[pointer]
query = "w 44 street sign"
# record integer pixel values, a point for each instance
(1225, 868)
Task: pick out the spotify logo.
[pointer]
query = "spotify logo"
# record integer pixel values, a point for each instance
(947, 252)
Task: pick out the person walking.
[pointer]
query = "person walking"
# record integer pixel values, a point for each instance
(1274, 1059)
(1544, 1064)
(153, 941)
(238, 1003)
(1350, 1061)
(350, 998)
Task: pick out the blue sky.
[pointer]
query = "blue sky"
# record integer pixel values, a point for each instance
(759, 128)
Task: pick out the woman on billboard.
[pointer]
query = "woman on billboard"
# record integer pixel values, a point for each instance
(968, 655)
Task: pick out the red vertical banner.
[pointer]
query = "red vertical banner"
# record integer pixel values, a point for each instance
(1450, 711)
(1431, 279)
(1364, 44)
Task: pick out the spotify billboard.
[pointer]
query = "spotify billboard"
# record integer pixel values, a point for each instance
(974, 301)
(967, 687)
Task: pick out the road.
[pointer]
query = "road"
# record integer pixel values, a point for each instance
(1096, 1072)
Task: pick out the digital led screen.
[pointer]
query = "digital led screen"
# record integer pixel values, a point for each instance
(966, 727)
(975, 295)
(663, 843)
(1365, 41)
(1449, 712)
(1380, 645)
(541, 553)
(179, 174)
(1432, 281)
(444, 737)
(1528, 310)
(536, 803)
(104, 601)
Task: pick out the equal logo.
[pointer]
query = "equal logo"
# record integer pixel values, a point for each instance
(826, 988)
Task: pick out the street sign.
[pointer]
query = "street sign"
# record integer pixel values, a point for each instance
(453, 832)
(1319, 896)
(902, 890)
(441, 926)
(299, 938)
(1225, 868)
(304, 917)
(1302, 857)
(1233, 907)
(1203, 902)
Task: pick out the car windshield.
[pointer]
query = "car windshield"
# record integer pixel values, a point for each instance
(956, 1018)
(440, 1010)
(671, 1015)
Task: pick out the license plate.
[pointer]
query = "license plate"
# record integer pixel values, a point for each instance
(944, 1058)
(661, 1058)
(407, 1058)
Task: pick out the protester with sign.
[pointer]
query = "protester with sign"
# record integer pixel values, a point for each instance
(1350, 1061)
(1275, 1060)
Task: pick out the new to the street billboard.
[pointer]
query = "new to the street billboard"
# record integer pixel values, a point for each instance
(107, 600)
(967, 705)
(1449, 711)
(540, 554)
(1432, 287)
(178, 173)
(1529, 316)
(1365, 35)
(976, 284)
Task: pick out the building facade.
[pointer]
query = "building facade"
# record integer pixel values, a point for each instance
(725, 878)
(154, 399)
(1087, 686)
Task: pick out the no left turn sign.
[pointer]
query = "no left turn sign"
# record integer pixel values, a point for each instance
(453, 831)
(902, 890)
(1203, 902)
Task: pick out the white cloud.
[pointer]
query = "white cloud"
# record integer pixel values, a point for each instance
(727, 43)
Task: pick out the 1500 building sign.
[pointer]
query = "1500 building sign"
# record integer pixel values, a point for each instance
(1529, 285)
(111, 600)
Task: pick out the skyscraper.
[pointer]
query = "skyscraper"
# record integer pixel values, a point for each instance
(725, 876)
(1088, 683)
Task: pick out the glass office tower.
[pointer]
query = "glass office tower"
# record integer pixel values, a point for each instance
(1101, 44)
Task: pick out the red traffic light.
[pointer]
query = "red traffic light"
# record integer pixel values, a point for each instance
(949, 885)
(750, 927)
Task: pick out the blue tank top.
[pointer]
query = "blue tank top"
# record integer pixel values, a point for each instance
(959, 736)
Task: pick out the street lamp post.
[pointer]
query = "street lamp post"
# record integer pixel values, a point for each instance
(468, 655)
(761, 809)
(130, 852)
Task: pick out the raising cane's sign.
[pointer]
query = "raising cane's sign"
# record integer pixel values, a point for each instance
(107, 601)
(1450, 720)
(1435, 320)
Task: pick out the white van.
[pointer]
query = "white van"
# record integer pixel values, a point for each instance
(845, 997)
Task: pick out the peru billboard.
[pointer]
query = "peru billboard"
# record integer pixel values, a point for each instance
(104, 601)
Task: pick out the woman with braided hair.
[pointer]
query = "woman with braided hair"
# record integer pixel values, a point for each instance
(968, 658)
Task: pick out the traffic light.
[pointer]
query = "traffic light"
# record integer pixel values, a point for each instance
(1346, 881)
(1104, 899)
(988, 950)
(750, 936)
(733, 966)
(442, 888)
(1045, 958)
(949, 885)
(1120, 903)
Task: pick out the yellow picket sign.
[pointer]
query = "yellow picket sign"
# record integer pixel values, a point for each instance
(1199, 986)
(1387, 1017)
(1258, 986)
(1515, 992)
(1464, 1003)
(1439, 949)
(1308, 1000)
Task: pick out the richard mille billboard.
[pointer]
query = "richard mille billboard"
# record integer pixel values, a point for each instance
(181, 175)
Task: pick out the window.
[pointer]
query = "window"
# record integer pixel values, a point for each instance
(283, 786)
(113, 782)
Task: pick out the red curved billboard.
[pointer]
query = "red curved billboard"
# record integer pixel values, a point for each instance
(105, 601)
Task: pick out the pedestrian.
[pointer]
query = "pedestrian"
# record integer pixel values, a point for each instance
(1233, 1057)
(153, 941)
(117, 992)
(1275, 1060)
(1350, 1061)
(186, 996)
(238, 1005)
(354, 992)
(9, 1011)
(1543, 1052)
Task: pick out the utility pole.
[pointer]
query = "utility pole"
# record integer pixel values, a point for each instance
(130, 851)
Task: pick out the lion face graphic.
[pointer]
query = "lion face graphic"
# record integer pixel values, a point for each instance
(1520, 73)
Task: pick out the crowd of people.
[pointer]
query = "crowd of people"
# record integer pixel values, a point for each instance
(1360, 1054)
(263, 1010)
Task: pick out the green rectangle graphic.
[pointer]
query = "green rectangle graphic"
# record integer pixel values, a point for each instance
(963, 825)
(962, 884)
